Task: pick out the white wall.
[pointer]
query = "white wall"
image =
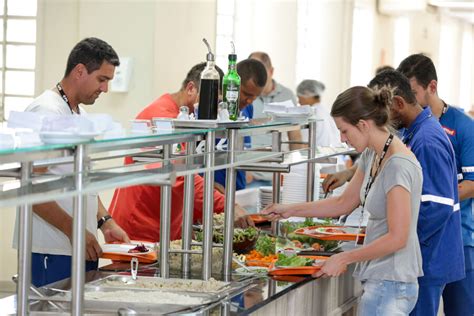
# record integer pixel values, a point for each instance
(163, 38)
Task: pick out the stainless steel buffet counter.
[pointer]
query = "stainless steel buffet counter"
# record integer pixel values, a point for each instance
(249, 295)
(27, 190)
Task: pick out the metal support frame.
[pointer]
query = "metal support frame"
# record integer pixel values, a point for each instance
(165, 211)
(311, 167)
(276, 146)
(230, 186)
(79, 235)
(208, 206)
(24, 246)
(188, 211)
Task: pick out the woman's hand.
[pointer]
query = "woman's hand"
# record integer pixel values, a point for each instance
(277, 211)
(334, 266)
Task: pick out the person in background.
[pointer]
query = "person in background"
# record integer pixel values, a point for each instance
(90, 66)
(387, 184)
(458, 297)
(137, 208)
(439, 223)
(253, 78)
(309, 93)
(272, 92)
(383, 68)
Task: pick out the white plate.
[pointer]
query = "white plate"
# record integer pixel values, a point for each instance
(66, 138)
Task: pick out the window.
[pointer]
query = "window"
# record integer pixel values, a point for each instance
(224, 31)
(362, 46)
(401, 39)
(466, 68)
(17, 54)
(308, 48)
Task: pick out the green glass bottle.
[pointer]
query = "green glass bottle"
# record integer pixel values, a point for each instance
(231, 88)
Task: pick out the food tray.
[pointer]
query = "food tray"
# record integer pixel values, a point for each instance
(347, 234)
(124, 298)
(126, 282)
(303, 270)
(207, 124)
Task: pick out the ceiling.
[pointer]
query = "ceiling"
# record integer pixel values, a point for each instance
(463, 9)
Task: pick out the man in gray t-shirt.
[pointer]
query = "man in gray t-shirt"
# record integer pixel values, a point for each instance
(273, 92)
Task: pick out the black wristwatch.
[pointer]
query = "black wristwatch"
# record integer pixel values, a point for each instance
(102, 220)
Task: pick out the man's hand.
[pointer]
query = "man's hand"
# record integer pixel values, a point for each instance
(113, 232)
(243, 222)
(241, 218)
(93, 250)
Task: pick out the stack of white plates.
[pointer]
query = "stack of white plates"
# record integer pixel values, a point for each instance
(294, 184)
(265, 197)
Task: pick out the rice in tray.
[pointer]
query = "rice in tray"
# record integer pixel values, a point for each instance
(211, 285)
(145, 297)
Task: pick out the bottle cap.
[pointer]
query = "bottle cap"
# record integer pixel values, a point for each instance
(233, 57)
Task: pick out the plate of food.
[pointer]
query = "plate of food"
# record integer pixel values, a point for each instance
(143, 251)
(296, 265)
(331, 232)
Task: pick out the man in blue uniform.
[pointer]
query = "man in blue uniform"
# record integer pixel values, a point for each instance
(253, 77)
(458, 297)
(439, 222)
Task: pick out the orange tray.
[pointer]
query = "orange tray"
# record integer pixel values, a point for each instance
(310, 232)
(258, 219)
(304, 270)
(119, 252)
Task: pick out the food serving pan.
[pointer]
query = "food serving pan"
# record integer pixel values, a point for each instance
(189, 286)
(115, 301)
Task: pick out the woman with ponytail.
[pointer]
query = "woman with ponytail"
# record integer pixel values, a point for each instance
(387, 185)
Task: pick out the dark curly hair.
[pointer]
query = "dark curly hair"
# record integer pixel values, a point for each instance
(91, 52)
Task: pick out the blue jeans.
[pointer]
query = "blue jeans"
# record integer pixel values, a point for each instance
(382, 297)
(46, 269)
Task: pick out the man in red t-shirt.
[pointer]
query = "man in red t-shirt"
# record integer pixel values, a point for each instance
(137, 208)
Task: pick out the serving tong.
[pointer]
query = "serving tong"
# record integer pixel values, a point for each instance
(133, 270)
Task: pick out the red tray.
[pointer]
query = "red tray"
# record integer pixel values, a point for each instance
(339, 234)
(305, 270)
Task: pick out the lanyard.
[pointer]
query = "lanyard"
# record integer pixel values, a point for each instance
(64, 96)
(371, 181)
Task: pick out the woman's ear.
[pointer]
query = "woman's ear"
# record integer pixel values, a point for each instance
(363, 125)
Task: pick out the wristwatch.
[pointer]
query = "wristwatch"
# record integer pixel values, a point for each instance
(102, 220)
